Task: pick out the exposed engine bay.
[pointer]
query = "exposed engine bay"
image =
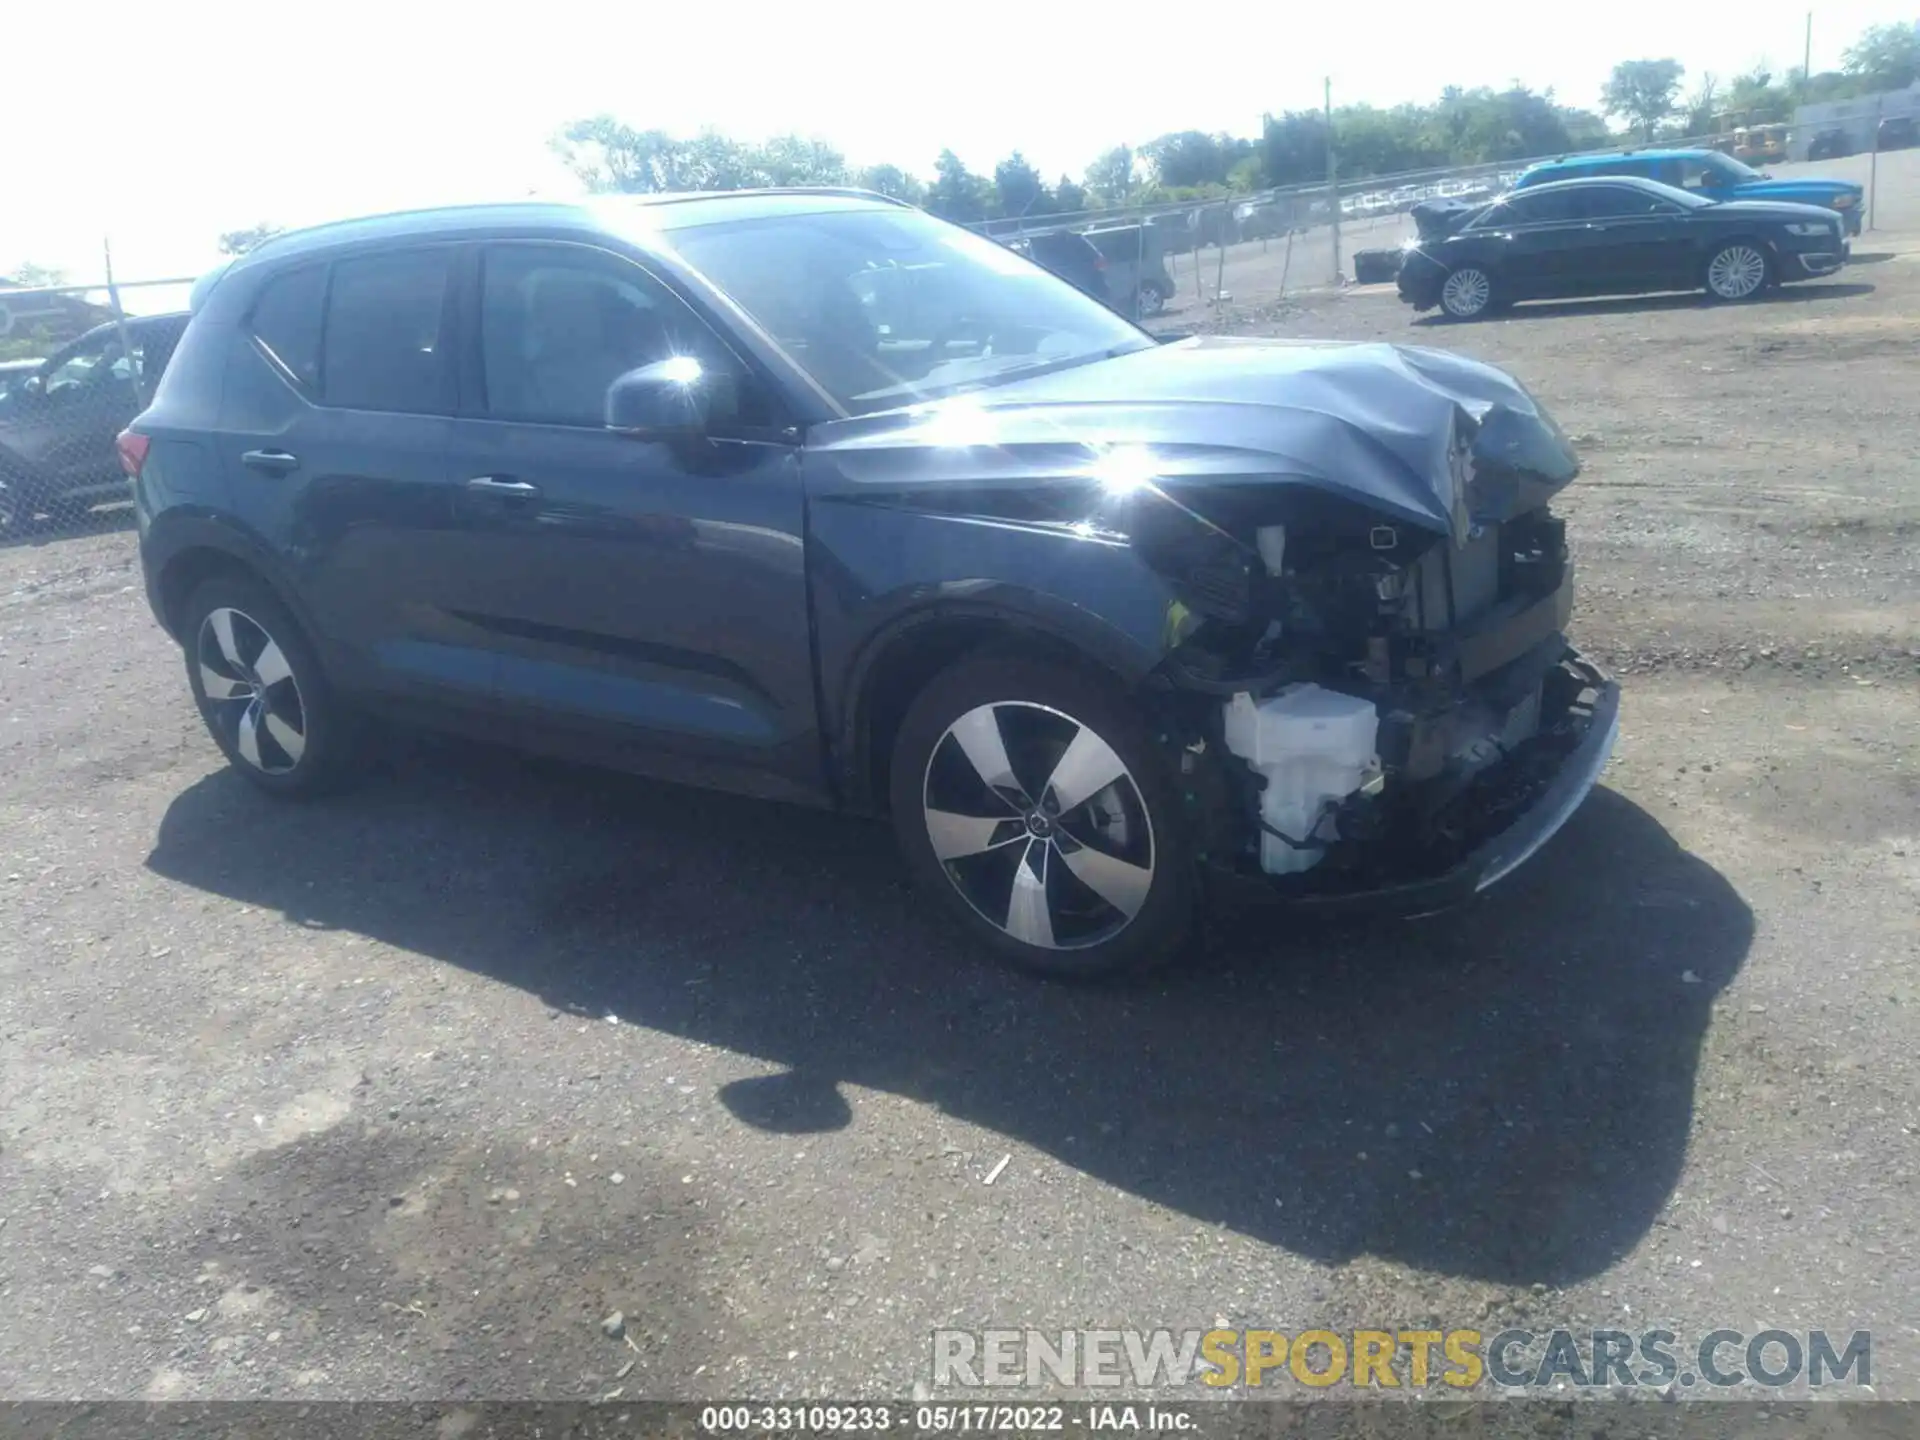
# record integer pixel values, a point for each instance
(1379, 698)
(1361, 593)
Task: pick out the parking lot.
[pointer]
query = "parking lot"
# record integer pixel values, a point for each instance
(1258, 274)
(402, 1094)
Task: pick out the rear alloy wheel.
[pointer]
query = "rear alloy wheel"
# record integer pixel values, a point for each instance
(1149, 300)
(1737, 271)
(260, 689)
(1032, 800)
(1466, 293)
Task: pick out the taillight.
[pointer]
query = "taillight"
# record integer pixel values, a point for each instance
(133, 452)
(1099, 262)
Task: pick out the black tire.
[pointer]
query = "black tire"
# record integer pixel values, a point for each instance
(1036, 855)
(262, 706)
(1725, 254)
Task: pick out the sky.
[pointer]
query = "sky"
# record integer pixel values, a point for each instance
(213, 115)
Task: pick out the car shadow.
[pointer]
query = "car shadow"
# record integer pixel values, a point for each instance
(1502, 1093)
(1871, 257)
(1803, 292)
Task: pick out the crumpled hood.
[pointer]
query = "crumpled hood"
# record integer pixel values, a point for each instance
(1422, 436)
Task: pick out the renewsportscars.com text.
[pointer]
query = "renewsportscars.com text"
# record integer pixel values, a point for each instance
(1459, 1360)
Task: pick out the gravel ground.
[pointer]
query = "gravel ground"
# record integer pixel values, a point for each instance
(400, 1095)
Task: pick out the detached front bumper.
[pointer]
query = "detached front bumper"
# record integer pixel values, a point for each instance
(1493, 858)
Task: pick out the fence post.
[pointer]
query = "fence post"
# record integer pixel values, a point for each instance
(1140, 272)
(120, 325)
(1873, 163)
(1333, 183)
(1220, 270)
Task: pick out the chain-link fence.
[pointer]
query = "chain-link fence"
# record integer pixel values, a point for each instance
(77, 363)
(1207, 264)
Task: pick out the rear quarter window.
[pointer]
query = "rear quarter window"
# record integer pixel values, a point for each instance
(286, 321)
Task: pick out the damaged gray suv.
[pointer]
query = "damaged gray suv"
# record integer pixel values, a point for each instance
(809, 495)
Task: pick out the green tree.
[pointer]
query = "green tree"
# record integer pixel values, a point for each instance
(790, 160)
(1703, 106)
(1885, 57)
(1018, 188)
(957, 193)
(239, 242)
(1293, 148)
(1754, 99)
(1070, 198)
(34, 277)
(1189, 159)
(892, 180)
(1642, 92)
(1111, 176)
(22, 343)
(610, 156)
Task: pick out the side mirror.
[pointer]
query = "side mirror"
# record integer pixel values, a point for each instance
(676, 396)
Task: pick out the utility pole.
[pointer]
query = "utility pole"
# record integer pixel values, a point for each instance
(1333, 182)
(1806, 60)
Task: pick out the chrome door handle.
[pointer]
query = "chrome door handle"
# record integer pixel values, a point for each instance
(274, 462)
(507, 489)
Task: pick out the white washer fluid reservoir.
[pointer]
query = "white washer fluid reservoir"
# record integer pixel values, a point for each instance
(1313, 745)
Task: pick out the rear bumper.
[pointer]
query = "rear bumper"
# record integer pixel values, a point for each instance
(1549, 809)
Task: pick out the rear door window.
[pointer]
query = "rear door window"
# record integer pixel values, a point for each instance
(382, 348)
(1616, 202)
(287, 319)
(1541, 207)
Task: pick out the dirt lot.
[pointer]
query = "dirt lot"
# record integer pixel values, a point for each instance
(399, 1095)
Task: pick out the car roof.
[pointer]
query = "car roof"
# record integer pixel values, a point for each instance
(1586, 182)
(664, 212)
(134, 322)
(1575, 162)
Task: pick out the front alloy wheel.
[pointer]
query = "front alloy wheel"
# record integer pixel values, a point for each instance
(1029, 795)
(1061, 859)
(1736, 271)
(1467, 292)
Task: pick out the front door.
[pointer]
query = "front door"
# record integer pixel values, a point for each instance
(645, 597)
(1634, 240)
(64, 425)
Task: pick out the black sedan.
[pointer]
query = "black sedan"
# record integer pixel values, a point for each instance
(1614, 236)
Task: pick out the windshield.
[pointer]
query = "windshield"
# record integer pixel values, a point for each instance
(890, 307)
(1730, 170)
(1686, 198)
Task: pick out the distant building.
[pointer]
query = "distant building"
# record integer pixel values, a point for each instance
(1858, 118)
(36, 321)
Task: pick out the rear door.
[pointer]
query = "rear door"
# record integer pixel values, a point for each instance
(645, 597)
(336, 422)
(1539, 240)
